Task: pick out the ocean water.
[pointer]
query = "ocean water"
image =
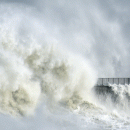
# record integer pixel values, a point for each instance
(51, 55)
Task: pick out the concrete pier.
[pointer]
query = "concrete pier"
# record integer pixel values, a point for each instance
(103, 90)
(106, 81)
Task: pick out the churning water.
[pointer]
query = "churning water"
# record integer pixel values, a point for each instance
(51, 55)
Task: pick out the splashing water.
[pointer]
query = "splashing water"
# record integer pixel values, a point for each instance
(43, 72)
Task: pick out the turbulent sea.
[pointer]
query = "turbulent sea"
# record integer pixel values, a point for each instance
(51, 56)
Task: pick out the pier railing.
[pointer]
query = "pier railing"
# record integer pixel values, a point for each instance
(106, 81)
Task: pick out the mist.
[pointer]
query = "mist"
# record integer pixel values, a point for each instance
(52, 52)
(98, 30)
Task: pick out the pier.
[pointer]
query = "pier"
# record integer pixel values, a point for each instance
(103, 90)
(107, 81)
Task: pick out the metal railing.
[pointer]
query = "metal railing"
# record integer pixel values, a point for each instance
(106, 81)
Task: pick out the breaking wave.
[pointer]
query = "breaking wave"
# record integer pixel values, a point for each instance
(35, 68)
(29, 72)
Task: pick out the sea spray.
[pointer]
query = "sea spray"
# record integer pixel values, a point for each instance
(123, 97)
(114, 98)
(56, 74)
(31, 65)
(19, 94)
(37, 75)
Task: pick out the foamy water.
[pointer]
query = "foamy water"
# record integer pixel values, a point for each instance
(50, 60)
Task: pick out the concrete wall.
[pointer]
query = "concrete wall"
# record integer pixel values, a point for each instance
(105, 81)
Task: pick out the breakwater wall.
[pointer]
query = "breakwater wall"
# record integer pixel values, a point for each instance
(103, 90)
(106, 81)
